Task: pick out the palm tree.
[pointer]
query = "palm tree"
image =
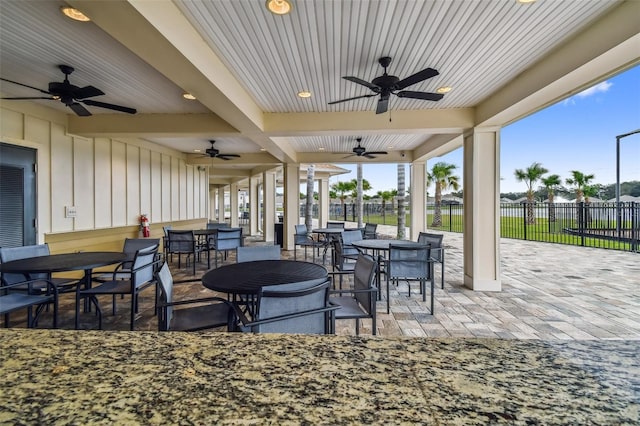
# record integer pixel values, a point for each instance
(579, 180)
(442, 175)
(401, 195)
(360, 185)
(385, 196)
(308, 217)
(342, 189)
(551, 182)
(530, 176)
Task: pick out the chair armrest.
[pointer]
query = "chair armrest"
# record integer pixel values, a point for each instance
(52, 289)
(354, 291)
(192, 301)
(249, 324)
(192, 280)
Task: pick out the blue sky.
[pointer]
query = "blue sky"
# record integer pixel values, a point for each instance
(578, 133)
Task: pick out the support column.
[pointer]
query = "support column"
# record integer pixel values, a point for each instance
(323, 202)
(233, 205)
(291, 204)
(212, 203)
(418, 209)
(482, 209)
(268, 204)
(254, 205)
(220, 203)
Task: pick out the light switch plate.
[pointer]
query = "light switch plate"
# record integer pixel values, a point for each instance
(70, 211)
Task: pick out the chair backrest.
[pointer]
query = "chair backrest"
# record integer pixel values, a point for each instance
(181, 241)
(248, 254)
(409, 261)
(339, 225)
(228, 238)
(339, 261)
(348, 237)
(217, 225)
(143, 268)
(292, 299)
(301, 236)
(132, 245)
(166, 230)
(435, 241)
(364, 277)
(370, 230)
(7, 254)
(165, 284)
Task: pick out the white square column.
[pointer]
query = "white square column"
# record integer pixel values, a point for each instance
(291, 204)
(212, 203)
(220, 217)
(234, 205)
(254, 205)
(418, 207)
(268, 204)
(481, 194)
(323, 202)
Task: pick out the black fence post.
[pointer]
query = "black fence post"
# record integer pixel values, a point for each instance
(524, 219)
(450, 217)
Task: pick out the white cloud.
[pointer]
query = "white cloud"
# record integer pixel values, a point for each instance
(593, 90)
(598, 88)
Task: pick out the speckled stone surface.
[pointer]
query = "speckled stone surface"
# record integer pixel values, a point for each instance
(91, 377)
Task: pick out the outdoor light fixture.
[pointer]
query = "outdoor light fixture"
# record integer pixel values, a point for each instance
(74, 14)
(444, 89)
(526, 1)
(189, 96)
(278, 7)
(304, 94)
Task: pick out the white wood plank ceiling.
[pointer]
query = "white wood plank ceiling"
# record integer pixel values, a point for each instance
(478, 46)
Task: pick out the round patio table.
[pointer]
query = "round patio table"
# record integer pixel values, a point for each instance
(247, 278)
(63, 262)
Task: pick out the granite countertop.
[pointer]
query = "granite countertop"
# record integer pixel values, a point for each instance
(94, 377)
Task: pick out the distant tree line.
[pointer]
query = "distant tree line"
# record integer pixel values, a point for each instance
(604, 192)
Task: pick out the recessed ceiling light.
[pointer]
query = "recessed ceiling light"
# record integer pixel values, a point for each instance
(263, 149)
(526, 1)
(197, 150)
(189, 96)
(390, 147)
(321, 148)
(74, 14)
(304, 94)
(278, 7)
(444, 89)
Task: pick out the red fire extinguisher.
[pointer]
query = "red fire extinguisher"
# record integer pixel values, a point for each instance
(144, 223)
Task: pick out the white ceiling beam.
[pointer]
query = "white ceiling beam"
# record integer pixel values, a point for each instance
(151, 125)
(364, 122)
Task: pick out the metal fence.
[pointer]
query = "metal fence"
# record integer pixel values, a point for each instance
(604, 225)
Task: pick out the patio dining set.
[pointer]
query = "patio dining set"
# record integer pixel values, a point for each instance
(253, 290)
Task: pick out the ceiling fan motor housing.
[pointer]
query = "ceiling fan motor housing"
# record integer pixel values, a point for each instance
(386, 82)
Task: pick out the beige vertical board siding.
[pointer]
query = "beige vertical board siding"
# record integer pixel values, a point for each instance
(102, 182)
(145, 182)
(189, 192)
(61, 178)
(83, 187)
(175, 189)
(156, 188)
(133, 185)
(118, 183)
(166, 188)
(11, 125)
(182, 190)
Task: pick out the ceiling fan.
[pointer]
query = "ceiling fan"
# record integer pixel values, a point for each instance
(360, 151)
(387, 85)
(72, 96)
(215, 153)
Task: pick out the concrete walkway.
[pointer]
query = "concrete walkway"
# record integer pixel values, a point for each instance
(549, 291)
